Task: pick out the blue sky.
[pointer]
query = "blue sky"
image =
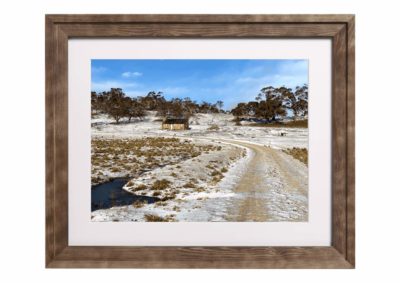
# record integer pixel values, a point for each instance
(231, 81)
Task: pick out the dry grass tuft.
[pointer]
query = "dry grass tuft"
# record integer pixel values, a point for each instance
(215, 173)
(160, 184)
(154, 218)
(210, 166)
(298, 153)
(140, 187)
(200, 189)
(189, 185)
(139, 203)
(213, 127)
(216, 179)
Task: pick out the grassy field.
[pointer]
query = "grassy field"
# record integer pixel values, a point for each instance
(130, 157)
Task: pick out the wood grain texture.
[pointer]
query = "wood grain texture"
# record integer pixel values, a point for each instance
(339, 28)
(339, 136)
(202, 257)
(61, 143)
(202, 30)
(196, 18)
(351, 107)
(50, 143)
(56, 141)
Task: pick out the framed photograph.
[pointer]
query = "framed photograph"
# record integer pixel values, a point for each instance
(200, 141)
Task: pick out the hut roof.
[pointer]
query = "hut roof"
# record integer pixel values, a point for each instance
(175, 121)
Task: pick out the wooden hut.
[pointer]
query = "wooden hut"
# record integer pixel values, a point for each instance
(175, 124)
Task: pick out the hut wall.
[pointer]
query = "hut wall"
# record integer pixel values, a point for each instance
(175, 127)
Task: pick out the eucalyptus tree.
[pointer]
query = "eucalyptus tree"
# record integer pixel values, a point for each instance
(271, 103)
(300, 106)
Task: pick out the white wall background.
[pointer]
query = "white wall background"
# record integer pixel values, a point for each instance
(22, 138)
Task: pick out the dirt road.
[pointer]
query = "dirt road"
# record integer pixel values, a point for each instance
(273, 188)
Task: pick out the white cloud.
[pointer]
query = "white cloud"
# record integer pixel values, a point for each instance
(289, 74)
(131, 89)
(131, 74)
(247, 84)
(294, 68)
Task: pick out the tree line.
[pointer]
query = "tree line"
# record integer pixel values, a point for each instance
(118, 105)
(272, 103)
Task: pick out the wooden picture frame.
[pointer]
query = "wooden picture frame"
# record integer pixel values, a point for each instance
(339, 28)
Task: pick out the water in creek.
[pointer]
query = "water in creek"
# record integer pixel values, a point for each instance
(111, 194)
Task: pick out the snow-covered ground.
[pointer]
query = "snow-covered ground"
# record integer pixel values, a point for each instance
(202, 188)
